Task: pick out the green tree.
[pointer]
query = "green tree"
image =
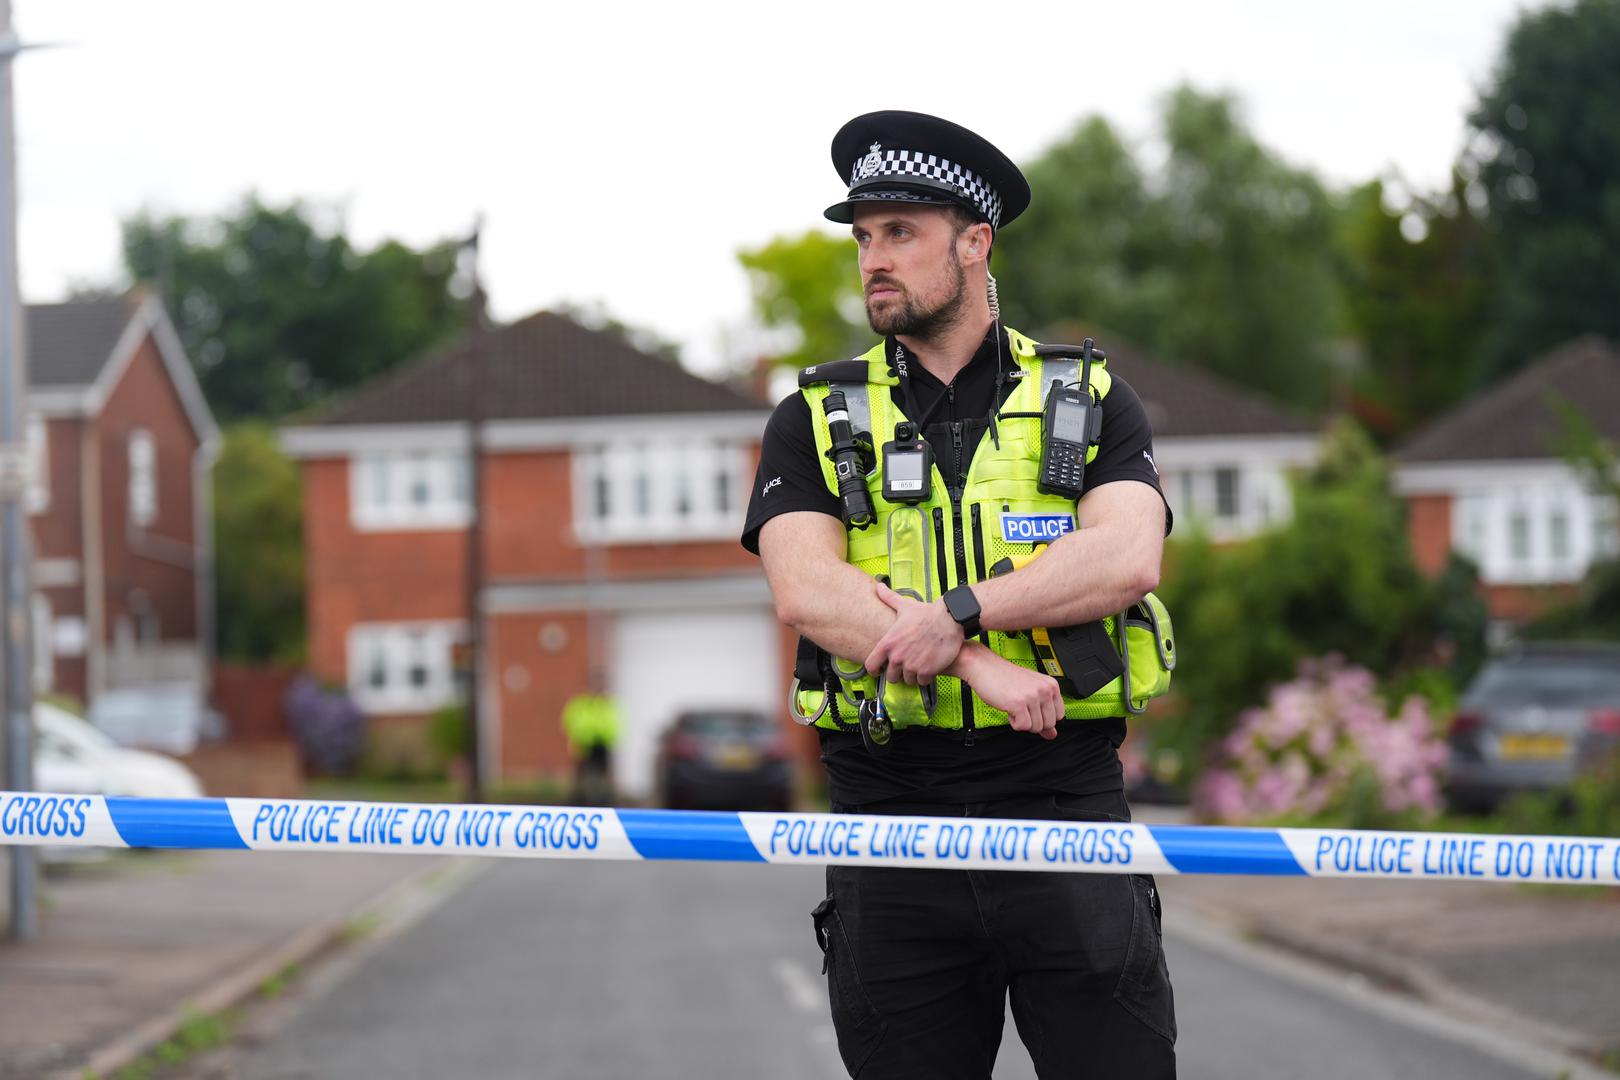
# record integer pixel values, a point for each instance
(1418, 304)
(1087, 251)
(1224, 258)
(276, 312)
(259, 548)
(1548, 156)
(810, 285)
(1253, 289)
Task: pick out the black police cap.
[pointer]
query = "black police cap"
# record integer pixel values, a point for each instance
(895, 156)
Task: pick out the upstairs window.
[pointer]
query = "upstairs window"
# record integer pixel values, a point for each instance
(1227, 504)
(404, 667)
(1605, 528)
(1558, 539)
(677, 488)
(1473, 521)
(1231, 500)
(143, 494)
(1533, 534)
(410, 490)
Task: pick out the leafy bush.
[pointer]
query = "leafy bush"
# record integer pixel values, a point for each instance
(1590, 807)
(1325, 747)
(66, 702)
(1593, 613)
(329, 728)
(259, 537)
(448, 734)
(1337, 578)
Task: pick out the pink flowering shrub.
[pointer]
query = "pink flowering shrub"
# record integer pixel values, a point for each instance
(1324, 747)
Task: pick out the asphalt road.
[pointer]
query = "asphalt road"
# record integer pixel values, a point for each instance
(659, 970)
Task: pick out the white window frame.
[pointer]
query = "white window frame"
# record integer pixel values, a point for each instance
(1603, 527)
(1483, 528)
(399, 645)
(1470, 526)
(38, 498)
(659, 464)
(1235, 512)
(44, 651)
(383, 488)
(142, 457)
(1262, 495)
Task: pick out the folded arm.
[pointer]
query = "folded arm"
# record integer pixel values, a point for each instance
(846, 613)
(1110, 563)
(1104, 567)
(817, 593)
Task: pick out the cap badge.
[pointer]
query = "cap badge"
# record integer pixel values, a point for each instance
(871, 163)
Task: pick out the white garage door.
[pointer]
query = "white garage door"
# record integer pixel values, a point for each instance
(664, 662)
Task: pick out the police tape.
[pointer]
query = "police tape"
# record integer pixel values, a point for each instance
(960, 843)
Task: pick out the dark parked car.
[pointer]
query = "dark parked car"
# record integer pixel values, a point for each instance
(1532, 720)
(724, 759)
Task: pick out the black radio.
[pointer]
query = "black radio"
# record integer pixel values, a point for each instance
(1066, 435)
(1071, 424)
(908, 466)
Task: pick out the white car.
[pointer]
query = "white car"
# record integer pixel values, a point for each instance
(73, 758)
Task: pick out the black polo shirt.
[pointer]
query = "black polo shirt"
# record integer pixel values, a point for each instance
(931, 765)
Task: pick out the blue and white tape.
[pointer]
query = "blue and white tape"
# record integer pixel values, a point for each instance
(960, 843)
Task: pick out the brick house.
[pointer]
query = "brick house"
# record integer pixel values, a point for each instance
(614, 485)
(1488, 480)
(121, 446)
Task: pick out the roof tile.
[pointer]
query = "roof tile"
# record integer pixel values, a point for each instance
(68, 344)
(1519, 418)
(542, 367)
(1184, 401)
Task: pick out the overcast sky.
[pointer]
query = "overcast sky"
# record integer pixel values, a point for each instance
(622, 153)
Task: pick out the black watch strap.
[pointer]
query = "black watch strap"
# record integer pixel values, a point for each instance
(964, 608)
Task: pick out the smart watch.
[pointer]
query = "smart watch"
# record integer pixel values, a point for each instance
(964, 608)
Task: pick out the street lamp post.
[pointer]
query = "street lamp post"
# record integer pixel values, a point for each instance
(475, 522)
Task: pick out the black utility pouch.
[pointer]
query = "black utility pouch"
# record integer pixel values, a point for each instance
(1089, 657)
(807, 663)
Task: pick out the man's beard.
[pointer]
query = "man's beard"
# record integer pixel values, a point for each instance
(906, 318)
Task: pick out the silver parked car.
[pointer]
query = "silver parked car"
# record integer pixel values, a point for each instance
(168, 717)
(1532, 720)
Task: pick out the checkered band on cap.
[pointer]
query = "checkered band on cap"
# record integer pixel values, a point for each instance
(914, 166)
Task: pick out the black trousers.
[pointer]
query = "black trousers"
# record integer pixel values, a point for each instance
(920, 963)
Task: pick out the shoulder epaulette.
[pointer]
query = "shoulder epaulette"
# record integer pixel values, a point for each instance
(837, 371)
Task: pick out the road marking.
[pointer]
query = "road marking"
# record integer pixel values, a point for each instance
(802, 991)
(805, 993)
(1358, 991)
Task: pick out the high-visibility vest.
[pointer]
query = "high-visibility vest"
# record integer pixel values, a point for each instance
(590, 720)
(999, 513)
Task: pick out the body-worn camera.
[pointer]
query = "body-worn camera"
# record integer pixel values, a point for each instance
(908, 466)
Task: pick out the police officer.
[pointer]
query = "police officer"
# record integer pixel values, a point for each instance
(590, 722)
(920, 962)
